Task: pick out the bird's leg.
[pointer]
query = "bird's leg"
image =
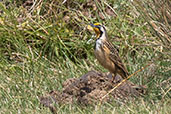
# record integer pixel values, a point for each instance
(113, 77)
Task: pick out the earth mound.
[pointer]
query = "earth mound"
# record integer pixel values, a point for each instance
(90, 88)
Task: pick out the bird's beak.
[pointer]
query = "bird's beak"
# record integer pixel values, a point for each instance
(90, 28)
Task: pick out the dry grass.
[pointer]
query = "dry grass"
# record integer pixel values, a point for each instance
(42, 43)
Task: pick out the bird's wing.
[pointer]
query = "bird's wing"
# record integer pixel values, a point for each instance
(114, 56)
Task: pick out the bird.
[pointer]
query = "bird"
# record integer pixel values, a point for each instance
(106, 53)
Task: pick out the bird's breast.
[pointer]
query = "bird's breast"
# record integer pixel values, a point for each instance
(98, 44)
(103, 57)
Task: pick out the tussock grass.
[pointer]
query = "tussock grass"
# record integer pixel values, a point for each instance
(43, 43)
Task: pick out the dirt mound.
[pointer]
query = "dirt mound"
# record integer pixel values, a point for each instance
(90, 88)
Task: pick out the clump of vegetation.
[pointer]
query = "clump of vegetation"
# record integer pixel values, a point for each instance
(42, 43)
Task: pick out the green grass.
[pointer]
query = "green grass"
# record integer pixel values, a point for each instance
(40, 49)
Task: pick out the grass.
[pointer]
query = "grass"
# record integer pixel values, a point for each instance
(44, 43)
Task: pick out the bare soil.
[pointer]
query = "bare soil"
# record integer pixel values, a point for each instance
(90, 88)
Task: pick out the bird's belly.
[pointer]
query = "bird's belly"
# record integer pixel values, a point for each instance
(104, 60)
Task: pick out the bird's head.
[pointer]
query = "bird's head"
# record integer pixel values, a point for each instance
(99, 29)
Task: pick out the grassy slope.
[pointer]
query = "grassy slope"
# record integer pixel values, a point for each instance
(41, 50)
